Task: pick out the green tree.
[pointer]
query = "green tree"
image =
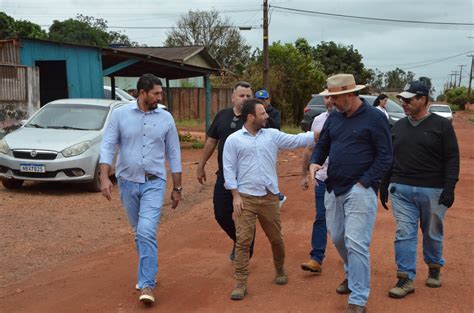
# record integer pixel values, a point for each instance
(86, 30)
(218, 35)
(427, 82)
(6, 26)
(336, 58)
(397, 79)
(377, 81)
(458, 96)
(9, 27)
(293, 77)
(29, 30)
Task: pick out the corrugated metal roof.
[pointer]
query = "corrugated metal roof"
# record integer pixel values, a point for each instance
(178, 54)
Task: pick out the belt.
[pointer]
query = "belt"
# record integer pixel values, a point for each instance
(150, 177)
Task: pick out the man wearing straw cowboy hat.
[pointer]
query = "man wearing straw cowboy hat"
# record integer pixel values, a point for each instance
(357, 140)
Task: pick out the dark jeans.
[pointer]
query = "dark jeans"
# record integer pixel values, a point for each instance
(223, 209)
(319, 234)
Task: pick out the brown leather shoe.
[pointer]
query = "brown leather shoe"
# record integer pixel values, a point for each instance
(312, 266)
(343, 288)
(239, 292)
(146, 296)
(354, 308)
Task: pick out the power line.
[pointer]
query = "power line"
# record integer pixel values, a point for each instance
(296, 11)
(171, 27)
(426, 62)
(438, 61)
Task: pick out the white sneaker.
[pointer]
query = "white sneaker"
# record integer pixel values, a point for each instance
(146, 296)
(282, 201)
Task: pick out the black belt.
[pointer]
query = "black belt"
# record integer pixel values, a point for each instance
(150, 177)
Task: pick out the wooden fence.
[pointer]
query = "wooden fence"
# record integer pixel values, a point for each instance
(13, 83)
(190, 103)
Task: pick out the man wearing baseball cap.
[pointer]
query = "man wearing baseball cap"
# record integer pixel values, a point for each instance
(357, 140)
(274, 116)
(421, 183)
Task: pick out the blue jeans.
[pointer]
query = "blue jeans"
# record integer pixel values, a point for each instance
(350, 219)
(142, 202)
(319, 234)
(410, 205)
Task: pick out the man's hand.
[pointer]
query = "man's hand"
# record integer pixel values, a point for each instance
(175, 198)
(313, 168)
(238, 205)
(106, 187)
(384, 195)
(304, 182)
(446, 198)
(201, 174)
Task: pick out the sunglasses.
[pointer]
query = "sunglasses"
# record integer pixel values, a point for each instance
(405, 100)
(233, 124)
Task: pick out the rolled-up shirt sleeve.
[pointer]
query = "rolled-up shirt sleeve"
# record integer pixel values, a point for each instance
(110, 139)
(173, 150)
(287, 141)
(229, 160)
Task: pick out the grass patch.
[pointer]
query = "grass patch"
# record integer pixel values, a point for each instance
(189, 141)
(291, 129)
(188, 123)
(454, 107)
(471, 118)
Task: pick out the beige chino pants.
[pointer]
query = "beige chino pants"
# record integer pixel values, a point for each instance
(266, 209)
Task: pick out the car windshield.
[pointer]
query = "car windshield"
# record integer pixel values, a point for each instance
(70, 116)
(393, 107)
(316, 101)
(439, 108)
(119, 94)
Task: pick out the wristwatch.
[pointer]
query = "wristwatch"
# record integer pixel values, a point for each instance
(178, 189)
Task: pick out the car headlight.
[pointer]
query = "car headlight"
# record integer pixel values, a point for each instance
(4, 148)
(76, 149)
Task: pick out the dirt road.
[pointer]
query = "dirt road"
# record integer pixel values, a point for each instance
(66, 250)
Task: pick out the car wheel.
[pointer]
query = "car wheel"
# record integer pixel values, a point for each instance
(94, 186)
(12, 183)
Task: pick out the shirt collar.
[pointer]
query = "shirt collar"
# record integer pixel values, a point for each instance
(245, 131)
(137, 107)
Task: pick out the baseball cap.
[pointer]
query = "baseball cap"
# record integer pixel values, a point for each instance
(262, 94)
(414, 88)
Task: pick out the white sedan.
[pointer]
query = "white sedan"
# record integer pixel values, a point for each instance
(60, 142)
(443, 110)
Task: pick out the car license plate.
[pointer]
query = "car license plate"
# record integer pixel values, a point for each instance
(32, 168)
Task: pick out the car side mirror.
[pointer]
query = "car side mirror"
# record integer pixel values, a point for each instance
(23, 122)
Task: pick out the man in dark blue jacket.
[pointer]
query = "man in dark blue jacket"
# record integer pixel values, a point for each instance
(357, 140)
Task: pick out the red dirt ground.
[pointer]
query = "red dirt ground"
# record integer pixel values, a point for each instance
(66, 250)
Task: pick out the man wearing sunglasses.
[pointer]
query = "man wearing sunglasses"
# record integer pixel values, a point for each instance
(226, 122)
(421, 186)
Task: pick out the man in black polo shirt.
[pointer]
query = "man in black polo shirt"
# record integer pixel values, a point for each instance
(422, 180)
(357, 140)
(225, 123)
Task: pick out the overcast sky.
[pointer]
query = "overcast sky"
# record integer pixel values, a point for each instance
(382, 45)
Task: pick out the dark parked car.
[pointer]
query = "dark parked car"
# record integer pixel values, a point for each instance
(316, 106)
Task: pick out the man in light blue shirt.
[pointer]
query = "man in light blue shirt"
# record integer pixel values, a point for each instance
(144, 136)
(249, 163)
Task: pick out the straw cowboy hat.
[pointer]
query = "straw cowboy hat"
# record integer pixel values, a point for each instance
(340, 84)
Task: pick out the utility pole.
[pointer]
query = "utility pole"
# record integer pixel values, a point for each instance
(470, 80)
(460, 74)
(455, 73)
(265, 45)
(451, 81)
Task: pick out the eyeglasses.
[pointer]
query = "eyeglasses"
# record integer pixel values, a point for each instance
(233, 124)
(405, 100)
